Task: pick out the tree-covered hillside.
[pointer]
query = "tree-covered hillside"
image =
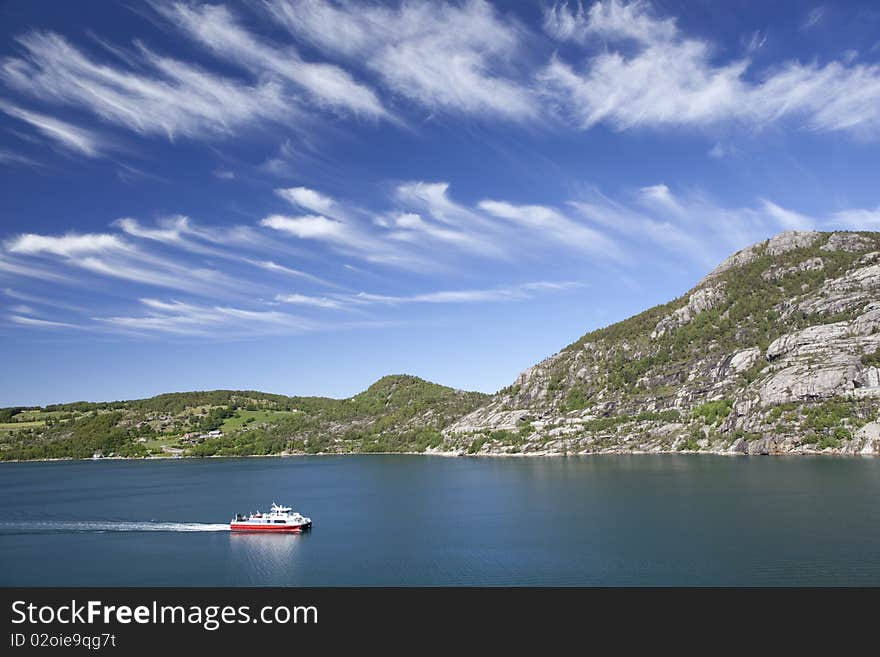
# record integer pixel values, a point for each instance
(397, 413)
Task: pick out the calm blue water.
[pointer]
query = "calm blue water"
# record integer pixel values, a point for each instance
(413, 520)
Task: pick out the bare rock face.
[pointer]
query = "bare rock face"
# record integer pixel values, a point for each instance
(807, 341)
(743, 360)
(700, 301)
(852, 242)
(791, 240)
(842, 294)
(822, 362)
(782, 243)
(869, 438)
(775, 273)
(801, 383)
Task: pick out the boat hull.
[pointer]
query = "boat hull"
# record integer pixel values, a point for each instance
(268, 529)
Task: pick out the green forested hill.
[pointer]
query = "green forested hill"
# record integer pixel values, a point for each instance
(397, 413)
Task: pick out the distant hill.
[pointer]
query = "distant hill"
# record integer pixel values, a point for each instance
(777, 350)
(397, 413)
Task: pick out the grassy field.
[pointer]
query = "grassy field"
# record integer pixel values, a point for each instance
(155, 445)
(32, 416)
(252, 418)
(12, 427)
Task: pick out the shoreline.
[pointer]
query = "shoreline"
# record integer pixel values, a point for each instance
(443, 454)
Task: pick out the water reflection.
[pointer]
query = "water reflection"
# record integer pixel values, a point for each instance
(264, 558)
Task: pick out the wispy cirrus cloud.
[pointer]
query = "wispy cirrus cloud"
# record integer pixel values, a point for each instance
(306, 300)
(814, 17)
(328, 85)
(634, 68)
(68, 136)
(11, 158)
(489, 295)
(185, 319)
(466, 296)
(692, 226)
(41, 323)
(341, 230)
(858, 218)
(550, 224)
(673, 80)
(611, 19)
(431, 228)
(172, 230)
(109, 255)
(445, 57)
(274, 267)
(309, 199)
(70, 245)
(164, 96)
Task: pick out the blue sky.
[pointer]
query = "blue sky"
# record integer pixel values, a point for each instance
(302, 196)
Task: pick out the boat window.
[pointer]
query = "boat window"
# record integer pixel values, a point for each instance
(279, 522)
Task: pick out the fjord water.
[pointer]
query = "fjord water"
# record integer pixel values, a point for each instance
(421, 520)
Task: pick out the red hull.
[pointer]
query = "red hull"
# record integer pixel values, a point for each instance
(289, 529)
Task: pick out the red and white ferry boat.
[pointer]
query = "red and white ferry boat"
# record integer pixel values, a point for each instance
(279, 519)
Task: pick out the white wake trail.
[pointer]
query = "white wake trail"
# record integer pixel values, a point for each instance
(72, 526)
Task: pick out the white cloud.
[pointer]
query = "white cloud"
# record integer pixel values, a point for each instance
(346, 237)
(283, 162)
(46, 302)
(185, 319)
(305, 300)
(858, 218)
(690, 226)
(73, 138)
(788, 219)
(551, 224)
(11, 158)
(288, 271)
(41, 323)
(433, 199)
(309, 199)
(637, 226)
(310, 227)
(490, 295)
(756, 41)
(672, 80)
(612, 19)
(108, 255)
(411, 227)
(172, 231)
(813, 18)
(659, 196)
(70, 245)
(223, 174)
(340, 228)
(718, 151)
(443, 56)
(164, 96)
(327, 85)
(194, 280)
(11, 268)
(431, 230)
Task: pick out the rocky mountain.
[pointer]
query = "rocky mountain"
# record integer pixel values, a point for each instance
(774, 351)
